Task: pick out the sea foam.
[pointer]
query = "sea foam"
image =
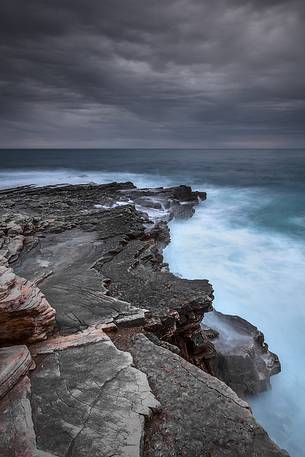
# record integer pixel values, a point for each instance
(258, 274)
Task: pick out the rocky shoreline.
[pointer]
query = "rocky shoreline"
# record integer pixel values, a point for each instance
(103, 350)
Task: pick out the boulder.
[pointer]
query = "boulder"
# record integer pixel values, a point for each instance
(244, 361)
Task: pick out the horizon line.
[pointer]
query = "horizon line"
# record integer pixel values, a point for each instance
(152, 148)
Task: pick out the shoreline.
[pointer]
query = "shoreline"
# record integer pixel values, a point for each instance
(111, 250)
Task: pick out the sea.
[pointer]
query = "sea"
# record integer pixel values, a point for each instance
(248, 239)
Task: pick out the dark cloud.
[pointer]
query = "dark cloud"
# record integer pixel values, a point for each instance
(160, 73)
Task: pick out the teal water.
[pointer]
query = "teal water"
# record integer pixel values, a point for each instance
(255, 261)
(248, 239)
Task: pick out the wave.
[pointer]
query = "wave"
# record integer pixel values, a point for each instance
(14, 178)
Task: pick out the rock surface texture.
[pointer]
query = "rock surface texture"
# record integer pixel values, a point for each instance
(17, 436)
(93, 253)
(25, 314)
(96, 401)
(201, 416)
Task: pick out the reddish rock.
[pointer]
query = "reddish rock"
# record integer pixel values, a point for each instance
(25, 314)
(15, 362)
(17, 436)
(92, 334)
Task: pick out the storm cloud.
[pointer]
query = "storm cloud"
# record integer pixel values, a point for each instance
(135, 73)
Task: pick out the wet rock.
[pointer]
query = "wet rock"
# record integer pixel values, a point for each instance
(244, 360)
(96, 253)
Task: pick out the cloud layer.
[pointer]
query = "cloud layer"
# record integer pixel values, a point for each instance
(131, 73)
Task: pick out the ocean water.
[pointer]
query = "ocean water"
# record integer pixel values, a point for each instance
(248, 239)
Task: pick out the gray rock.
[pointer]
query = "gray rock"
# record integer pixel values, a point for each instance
(96, 253)
(244, 360)
(16, 426)
(90, 400)
(80, 248)
(200, 416)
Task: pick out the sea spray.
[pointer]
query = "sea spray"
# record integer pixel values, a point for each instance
(257, 273)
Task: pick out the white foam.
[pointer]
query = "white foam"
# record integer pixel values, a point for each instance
(114, 205)
(154, 214)
(259, 275)
(14, 178)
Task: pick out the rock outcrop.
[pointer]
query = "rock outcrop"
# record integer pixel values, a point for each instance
(244, 360)
(25, 314)
(201, 416)
(85, 397)
(95, 251)
(97, 402)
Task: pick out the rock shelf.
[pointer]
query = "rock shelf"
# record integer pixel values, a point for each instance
(122, 362)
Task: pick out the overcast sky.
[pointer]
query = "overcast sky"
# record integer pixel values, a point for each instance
(155, 73)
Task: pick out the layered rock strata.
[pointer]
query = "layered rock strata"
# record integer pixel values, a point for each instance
(15, 362)
(17, 436)
(25, 314)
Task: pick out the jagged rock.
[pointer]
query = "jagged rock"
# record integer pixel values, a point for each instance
(110, 258)
(120, 245)
(25, 314)
(96, 252)
(176, 305)
(14, 227)
(244, 360)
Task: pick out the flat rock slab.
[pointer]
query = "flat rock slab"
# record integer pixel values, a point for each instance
(89, 400)
(201, 416)
(17, 435)
(73, 287)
